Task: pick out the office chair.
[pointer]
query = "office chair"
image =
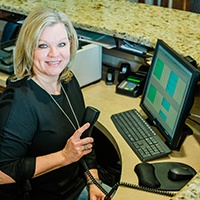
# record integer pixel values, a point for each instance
(10, 31)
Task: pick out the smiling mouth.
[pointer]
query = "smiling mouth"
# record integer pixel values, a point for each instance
(53, 62)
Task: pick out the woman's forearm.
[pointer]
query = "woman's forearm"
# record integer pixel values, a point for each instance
(50, 162)
(5, 179)
(43, 164)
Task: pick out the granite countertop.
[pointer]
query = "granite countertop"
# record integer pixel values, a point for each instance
(140, 23)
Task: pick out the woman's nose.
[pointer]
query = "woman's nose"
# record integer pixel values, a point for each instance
(53, 52)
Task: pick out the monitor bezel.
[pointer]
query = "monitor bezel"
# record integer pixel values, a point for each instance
(182, 129)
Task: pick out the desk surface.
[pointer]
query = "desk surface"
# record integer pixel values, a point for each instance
(136, 22)
(105, 99)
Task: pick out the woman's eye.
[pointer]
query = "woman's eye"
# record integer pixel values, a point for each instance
(42, 46)
(62, 44)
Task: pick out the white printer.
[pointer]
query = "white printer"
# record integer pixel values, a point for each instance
(87, 65)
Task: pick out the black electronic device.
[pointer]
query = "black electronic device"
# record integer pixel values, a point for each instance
(133, 82)
(132, 86)
(91, 115)
(142, 71)
(169, 94)
(141, 138)
(181, 173)
(124, 71)
(110, 76)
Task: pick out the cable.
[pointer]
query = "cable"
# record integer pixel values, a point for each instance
(109, 194)
(193, 120)
(146, 189)
(123, 184)
(195, 115)
(91, 177)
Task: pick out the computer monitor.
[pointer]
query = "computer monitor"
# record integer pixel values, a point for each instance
(169, 93)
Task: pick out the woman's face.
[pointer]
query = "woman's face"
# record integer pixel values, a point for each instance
(53, 51)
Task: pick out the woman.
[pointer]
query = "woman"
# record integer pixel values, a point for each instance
(41, 111)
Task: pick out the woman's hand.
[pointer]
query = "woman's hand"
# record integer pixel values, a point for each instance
(96, 193)
(75, 147)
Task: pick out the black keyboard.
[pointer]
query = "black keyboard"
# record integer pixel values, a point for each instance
(142, 139)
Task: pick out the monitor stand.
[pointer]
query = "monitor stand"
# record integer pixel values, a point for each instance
(185, 132)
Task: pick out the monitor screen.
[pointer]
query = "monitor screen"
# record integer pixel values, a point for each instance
(169, 94)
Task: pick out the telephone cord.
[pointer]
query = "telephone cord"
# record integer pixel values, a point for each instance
(147, 189)
(91, 177)
(123, 184)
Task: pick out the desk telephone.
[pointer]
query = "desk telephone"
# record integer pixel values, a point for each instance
(151, 177)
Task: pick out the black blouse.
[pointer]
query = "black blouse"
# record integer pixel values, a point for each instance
(31, 125)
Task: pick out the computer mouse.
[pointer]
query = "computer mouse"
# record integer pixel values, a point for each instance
(181, 173)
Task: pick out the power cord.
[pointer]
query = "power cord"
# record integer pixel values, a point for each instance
(194, 115)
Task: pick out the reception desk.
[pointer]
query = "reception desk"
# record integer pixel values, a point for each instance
(139, 23)
(105, 99)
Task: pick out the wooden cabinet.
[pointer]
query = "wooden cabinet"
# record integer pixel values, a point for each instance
(182, 5)
(177, 4)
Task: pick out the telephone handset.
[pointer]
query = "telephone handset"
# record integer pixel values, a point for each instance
(91, 115)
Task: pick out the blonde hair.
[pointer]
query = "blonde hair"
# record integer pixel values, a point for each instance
(29, 36)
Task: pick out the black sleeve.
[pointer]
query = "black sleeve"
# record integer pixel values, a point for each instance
(21, 169)
(17, 127)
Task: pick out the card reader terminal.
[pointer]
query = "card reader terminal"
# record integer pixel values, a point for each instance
(131, 86)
